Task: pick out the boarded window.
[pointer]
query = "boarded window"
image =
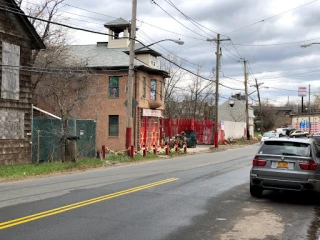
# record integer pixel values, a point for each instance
(11, 124)
(10, 71)
(114, 87)
(153, 89)
(113, 125)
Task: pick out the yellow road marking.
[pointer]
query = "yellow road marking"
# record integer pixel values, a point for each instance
(69, 207)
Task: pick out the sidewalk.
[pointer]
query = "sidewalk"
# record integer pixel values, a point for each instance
(200, 148)
(210, 148)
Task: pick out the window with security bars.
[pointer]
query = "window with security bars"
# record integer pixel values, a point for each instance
(113, 125)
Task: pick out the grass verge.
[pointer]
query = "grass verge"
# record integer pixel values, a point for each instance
(15, 172)
(27, 170)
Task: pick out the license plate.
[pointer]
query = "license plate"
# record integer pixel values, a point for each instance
(282, 165)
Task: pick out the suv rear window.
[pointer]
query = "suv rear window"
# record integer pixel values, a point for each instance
(285, 148)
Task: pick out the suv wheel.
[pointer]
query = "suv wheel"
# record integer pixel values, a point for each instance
(255, 191)
(280, 135)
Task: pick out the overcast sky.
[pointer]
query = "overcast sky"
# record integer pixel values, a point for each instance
(268, 34)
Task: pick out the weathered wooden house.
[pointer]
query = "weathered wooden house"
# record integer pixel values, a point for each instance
(17, 40)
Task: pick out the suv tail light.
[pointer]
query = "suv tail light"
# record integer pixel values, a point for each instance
(258, 162)
(312, 165)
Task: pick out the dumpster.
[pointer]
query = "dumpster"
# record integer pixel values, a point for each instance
(191, 136)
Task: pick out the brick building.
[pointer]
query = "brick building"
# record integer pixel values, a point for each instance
(108, 64)
(17, 40)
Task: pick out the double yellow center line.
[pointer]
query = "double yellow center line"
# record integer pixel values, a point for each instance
(69, 207)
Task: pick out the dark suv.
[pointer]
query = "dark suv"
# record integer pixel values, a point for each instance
(286, 163)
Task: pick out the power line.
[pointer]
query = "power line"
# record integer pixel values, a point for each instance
(90, 11)
(183, 89)
(263, 20)
(171, 31)
(116, 18)
(275, 78)
(153, 1)
(196, 45)
(55, 23)
(197, 75)
(242, 81)
(289, 90)
(274, 44)
(54, 70)
(183, 59)
(189, 19)
(14, 9)
(96, 32)
(235, 49)
(284, 89)
(75, 14)
(230, 53)
(250, 69)
(281, 70)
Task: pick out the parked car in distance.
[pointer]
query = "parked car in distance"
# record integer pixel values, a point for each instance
(268, 135)
(281, 131)
(298, 133)
(286, 164)
(289, 130)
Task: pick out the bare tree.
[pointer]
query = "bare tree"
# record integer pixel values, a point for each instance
(59, 83)
(53, 36)
(171, 87)
(200, 91)
(61, 92)
(269, 114)
(47, 10)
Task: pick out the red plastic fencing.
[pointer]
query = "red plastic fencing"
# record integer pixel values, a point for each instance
(204, 128)
(205, 131)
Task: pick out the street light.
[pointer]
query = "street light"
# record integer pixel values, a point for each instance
(172, 40)
(131, 76)
(308, 45)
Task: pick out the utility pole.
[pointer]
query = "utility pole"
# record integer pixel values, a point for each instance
(216, 129)
(216, 121)
(246, 95)
(260, 107)
(131, 76)
(309, 112)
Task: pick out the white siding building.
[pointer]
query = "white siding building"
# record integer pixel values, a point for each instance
(234, 119)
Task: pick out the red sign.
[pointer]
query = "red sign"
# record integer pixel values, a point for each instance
(302, 91)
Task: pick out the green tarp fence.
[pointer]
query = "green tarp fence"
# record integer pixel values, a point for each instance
(46, 138)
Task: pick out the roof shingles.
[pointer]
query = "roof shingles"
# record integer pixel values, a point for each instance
(101, 56)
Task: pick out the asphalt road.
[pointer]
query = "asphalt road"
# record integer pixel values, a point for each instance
(203, 196)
